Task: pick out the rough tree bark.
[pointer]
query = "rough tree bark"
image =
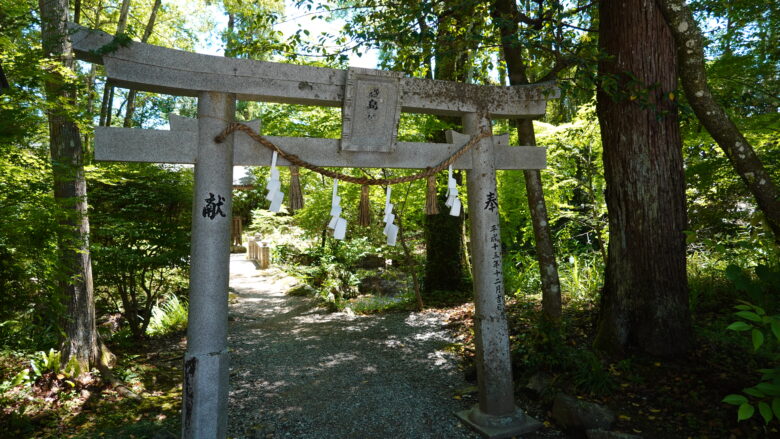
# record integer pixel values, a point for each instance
(645, 300)
(70, 192)
(506, 10)
(693, 76)
(108, 90)
(444, 266)
(3, 81)
(144, 38)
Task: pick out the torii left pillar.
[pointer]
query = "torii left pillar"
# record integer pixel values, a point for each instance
(206, 362)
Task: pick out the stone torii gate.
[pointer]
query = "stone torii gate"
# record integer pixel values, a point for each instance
(371, 102)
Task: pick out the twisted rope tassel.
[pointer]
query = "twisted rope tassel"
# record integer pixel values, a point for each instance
(431, 201)
(364, 210)
(296, 195)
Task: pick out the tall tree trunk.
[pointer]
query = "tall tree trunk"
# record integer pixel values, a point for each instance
(427, 57)
(444, 252)
(444, 246)
(645, 300)
(70, 192)
(4, 85)
(91, 78)
(506, 10)
(693, 75)
(144, 38)
(230, 41)
(77, 11)
(124, 11)
(108, 90)
(409, 261)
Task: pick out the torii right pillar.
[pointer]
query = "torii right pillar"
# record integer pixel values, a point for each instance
(496, 415)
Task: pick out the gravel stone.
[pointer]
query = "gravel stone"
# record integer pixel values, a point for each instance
(300, 372)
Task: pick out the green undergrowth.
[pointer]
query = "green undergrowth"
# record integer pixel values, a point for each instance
(371, 304)
(55, 404)
(338, 289)
(725, 387)
(168, 316)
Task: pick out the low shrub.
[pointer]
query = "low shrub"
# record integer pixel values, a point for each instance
(168, 317)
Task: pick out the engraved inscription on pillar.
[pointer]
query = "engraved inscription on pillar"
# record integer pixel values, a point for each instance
(372, 108)
(496, 266)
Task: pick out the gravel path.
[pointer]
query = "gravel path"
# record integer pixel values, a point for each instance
(300, 372)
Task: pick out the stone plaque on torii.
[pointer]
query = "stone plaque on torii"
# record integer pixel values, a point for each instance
(371, 102)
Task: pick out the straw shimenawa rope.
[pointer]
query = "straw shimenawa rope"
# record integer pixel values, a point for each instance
(364, 211)
(296, 195)
(295, 160)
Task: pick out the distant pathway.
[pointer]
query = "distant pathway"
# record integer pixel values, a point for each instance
(300, 372)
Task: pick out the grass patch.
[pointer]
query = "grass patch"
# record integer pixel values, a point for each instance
(370, 304)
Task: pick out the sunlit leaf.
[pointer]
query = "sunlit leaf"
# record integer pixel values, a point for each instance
(776, 407)
(745, 411)
(766, 411)
(775, 325)
(735, 399)
(739, 326)
(748, 315)
(758, 339)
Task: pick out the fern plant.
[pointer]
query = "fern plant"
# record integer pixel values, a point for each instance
(168, 317)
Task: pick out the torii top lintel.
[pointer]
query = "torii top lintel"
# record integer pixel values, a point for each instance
(157, 69)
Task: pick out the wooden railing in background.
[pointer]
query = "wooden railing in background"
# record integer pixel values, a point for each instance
(259, 251)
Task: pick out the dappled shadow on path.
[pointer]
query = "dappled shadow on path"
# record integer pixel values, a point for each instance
(297, 371)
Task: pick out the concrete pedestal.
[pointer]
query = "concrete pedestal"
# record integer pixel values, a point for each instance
(499, 427)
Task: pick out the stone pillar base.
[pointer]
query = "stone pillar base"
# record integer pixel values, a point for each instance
(498, 427)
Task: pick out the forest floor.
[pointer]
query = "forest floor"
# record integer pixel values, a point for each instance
(652, 398)
(299, 371)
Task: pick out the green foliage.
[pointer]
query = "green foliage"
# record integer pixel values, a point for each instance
(29, 271)
(543, 349)
(764, 330)
(42, 363)
(762, 289)
(574, 183)
(140, 237)
(574, 191)
(266, 223)
(721, 210)
(380, 304)
(334, 285)
(333, 273)
(582, 276)
(119, 41)
(170, 316)
(250, 32)
(28, 258)
(521, 274)
(743, 70)
(300, 121)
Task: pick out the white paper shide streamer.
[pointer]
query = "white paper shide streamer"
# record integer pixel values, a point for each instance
(453, 202)
(391, 230)
(273, 186)
(337, 223)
